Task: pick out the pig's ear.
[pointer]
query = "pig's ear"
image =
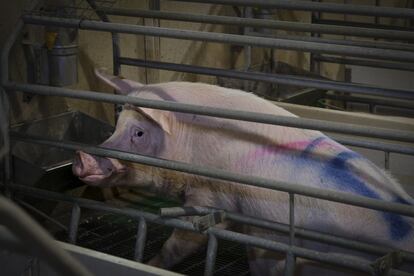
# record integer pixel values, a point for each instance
(121, 85)
(163, 118)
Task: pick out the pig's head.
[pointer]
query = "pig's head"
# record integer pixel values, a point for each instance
(138, 130)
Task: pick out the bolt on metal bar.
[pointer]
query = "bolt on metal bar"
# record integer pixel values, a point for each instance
(366, 63)
(211, 255)
(344, 128)
(261, 23)
(330, 195)
(274, 78)
(314, 47)
(311, 254)
(74, 223)
(317, 7)
(141, 239)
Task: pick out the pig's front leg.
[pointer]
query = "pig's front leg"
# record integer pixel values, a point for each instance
(179, 245)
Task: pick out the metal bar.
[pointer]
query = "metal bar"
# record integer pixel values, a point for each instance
(74, 223)
(197, 210)
(116, 50)
(362, 25)
(141, 239)
(275, 78)
(262, 23)
(337, 41)
(224, 234)
(344, 128)
(403, 149)
(314, 47)
(376, 101)
(291, 219)
(38, 241)
(366, 63)
(42, 214)
(317, 7)
(326, 194)
(289, 264)
(211, 255)
(387, 160)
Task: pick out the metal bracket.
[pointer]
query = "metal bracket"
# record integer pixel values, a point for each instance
(383, 264)
(203, 223)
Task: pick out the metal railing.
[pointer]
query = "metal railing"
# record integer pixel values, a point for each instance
(292, 189)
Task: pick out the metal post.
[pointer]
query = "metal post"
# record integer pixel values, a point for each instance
(247, 49)
(290, 257)
(141, 239)
(211, 255)
(387, 160)
(74, 223)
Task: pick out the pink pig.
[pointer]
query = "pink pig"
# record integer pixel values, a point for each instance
(287, 154)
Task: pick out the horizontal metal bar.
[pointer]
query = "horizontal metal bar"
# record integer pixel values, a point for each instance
(325, 194)
(361, 24)
(371, 100)
(314, 47)
(340, 41)
(375, 145)
(261, 23)
(274, 78)
(317, 7)
(354, 263)
(224, 234)
(344, 128)
(284, 228)
(38, 241)
(366, 63)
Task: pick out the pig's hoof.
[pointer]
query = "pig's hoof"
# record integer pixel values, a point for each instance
(156, 261)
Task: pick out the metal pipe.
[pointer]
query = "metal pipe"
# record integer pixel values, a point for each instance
(336, 196)
(291, 219)
(74, 223)
(262, 23)
(211, 255)
(141, 239)
(376, 101)
(275, 78)
(289, 264)
(5, 52)
(197, 210)
(337, 41)
(366, 63)
(38, 241)
(403, 149)
(314, 47)
(116, 50)
(317, 7)
(224, 234)
(217, 112)
(344, 128)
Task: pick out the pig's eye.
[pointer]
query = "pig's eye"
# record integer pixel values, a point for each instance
(138, 133)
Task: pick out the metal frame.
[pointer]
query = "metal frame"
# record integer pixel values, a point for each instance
(290, 249)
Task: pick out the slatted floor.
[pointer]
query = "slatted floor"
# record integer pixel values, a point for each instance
(116, 235)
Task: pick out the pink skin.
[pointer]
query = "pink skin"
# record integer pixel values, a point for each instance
(297, 146)
(94, 170)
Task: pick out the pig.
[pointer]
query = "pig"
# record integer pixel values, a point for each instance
(287, 154)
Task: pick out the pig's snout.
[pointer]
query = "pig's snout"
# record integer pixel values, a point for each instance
(93, 169)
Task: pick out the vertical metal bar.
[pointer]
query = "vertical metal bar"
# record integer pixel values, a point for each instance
(387, 160)
(211, 255)
(315, 66)
(141, 239)
(74, 223)
(290, 258)
(247, 49)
